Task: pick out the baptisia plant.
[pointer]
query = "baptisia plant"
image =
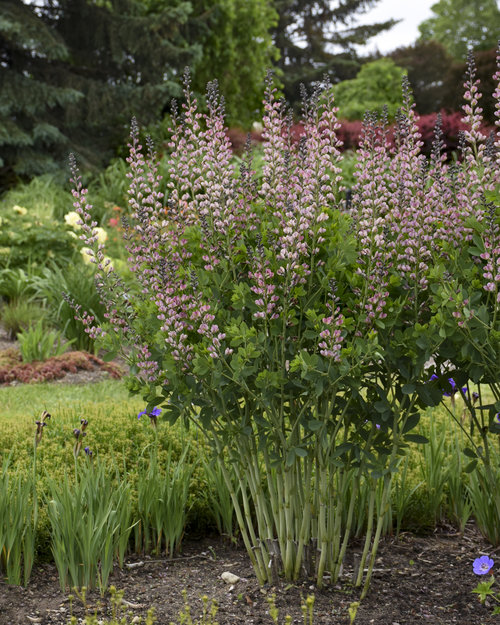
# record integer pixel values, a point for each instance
(467, 301)
(292, 329)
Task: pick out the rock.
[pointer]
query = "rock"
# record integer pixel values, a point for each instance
(230, 578)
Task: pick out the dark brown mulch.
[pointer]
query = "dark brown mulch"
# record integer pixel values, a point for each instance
(417, 580)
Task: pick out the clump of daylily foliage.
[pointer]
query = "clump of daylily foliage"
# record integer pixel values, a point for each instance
(299, 325)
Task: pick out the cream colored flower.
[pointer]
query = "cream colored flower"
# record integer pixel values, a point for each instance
(20, 210)
(101, 234)
(87, 255)
(72, 234)
(73, 219)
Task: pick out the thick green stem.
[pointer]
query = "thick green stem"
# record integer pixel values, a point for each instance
(347, 532)
(368, 537)
(322, 530)
(380, 522)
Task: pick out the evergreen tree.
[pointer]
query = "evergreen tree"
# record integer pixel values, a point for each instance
(127, 61)
(317, 37)
(74, 72)
(31, 138)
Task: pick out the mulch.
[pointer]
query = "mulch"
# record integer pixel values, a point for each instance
(417, 580)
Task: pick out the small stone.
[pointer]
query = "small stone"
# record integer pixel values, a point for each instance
(230, 578)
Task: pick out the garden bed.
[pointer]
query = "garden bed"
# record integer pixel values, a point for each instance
(73, 367)
(417, 579)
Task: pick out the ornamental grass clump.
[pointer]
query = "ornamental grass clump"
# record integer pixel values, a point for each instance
(294, 328)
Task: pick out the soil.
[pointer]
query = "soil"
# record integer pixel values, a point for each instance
(417, 579)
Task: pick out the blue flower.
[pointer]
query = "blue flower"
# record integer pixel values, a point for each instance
(454, 388)
(482, 565)
(497, 418)
(152, 415)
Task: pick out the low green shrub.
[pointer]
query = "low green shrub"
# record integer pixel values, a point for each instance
(27, 239)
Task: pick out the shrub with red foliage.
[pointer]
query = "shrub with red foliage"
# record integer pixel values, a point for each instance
(238, 138)
(350, 132)
(12, 369)
(452, 124)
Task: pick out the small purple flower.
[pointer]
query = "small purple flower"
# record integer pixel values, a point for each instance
(152, 415)
(88, 451)
(497, 418)
(434, 377)
(451, 382)
(482, 565)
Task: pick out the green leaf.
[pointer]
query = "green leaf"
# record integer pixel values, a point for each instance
(109, 356)
(299, 451)
(314, 425)
(471, 466)
(382, 406)
(290, 457)
(429, 394)
(416, 438)
(470, 453)
(408, 389)
(411, 422)
(342, 449)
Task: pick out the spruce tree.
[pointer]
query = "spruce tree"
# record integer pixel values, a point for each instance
(31, 104)
(74, 72)
(126, 57)
(318, 37)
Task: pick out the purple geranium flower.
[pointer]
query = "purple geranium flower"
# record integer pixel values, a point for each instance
(454, 388)
(152, 415)
(482, 565)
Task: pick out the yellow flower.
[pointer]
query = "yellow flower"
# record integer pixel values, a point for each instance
(72, 234)
(101, 234)
(73, 219)
(87, 255)
(20, 210)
